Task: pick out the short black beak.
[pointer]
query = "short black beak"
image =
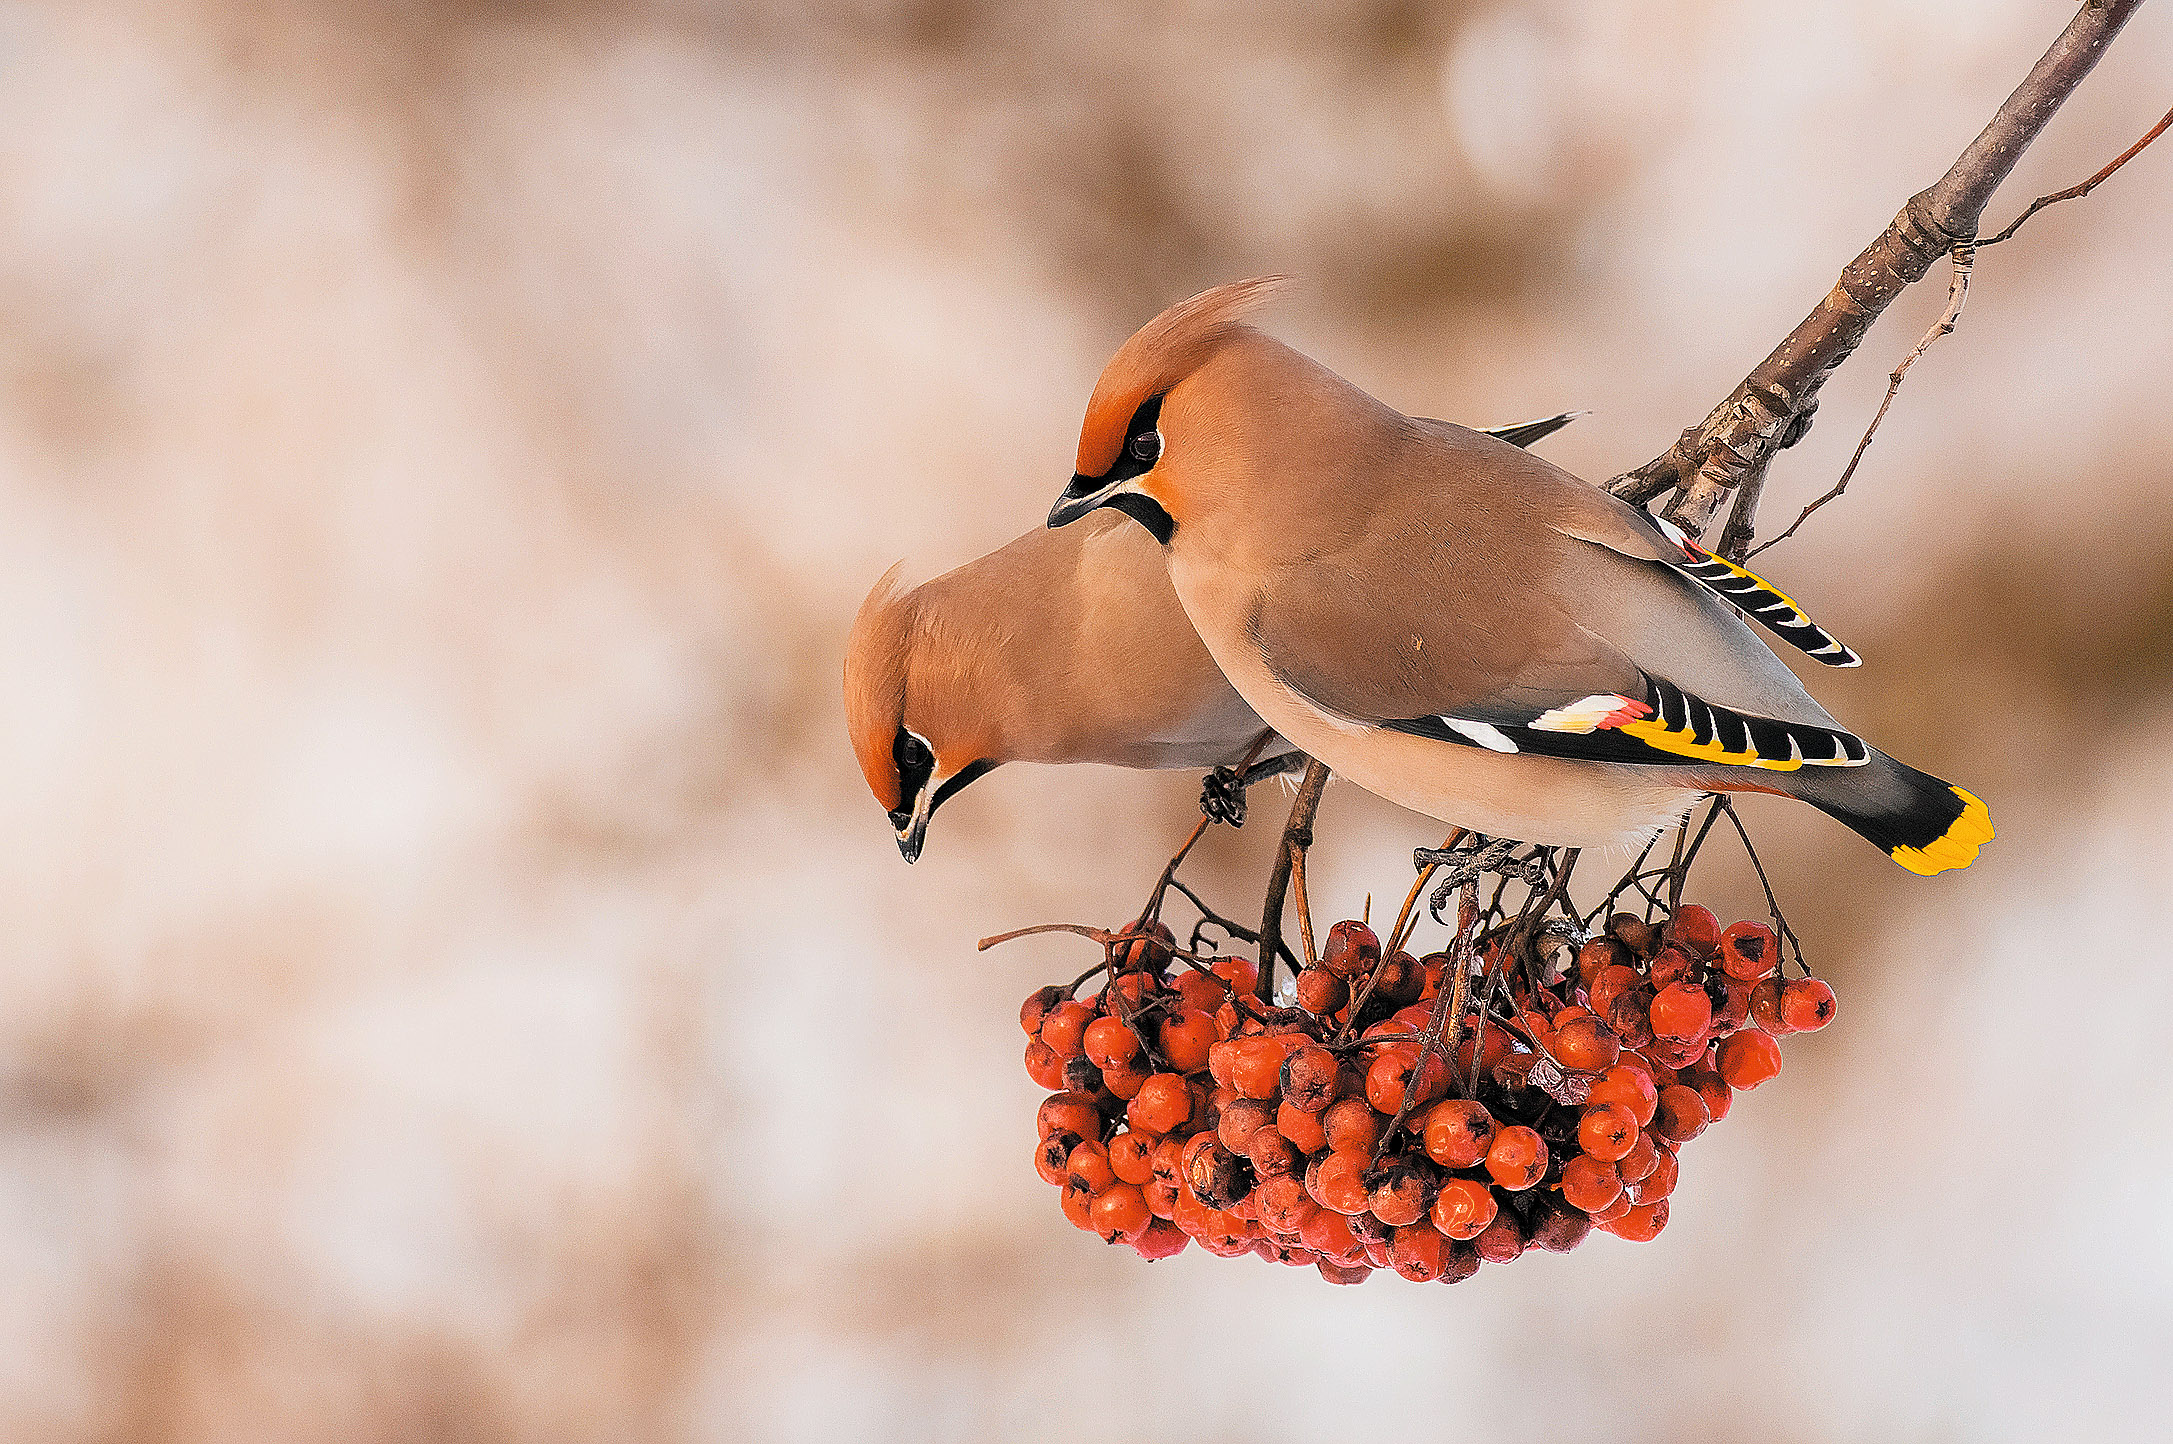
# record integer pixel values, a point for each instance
(1081, 495)
(913, 826)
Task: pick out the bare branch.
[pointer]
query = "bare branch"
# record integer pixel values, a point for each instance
(1965, 257)
(1772, 407)
(2076, 193)
(1297, 837)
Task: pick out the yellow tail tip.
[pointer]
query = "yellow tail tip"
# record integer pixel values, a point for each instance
(1956, 847)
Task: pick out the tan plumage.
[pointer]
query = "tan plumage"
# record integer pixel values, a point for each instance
(1460, 626)
(1058, 647)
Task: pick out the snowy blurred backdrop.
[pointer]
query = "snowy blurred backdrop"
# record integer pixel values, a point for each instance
(454, 984)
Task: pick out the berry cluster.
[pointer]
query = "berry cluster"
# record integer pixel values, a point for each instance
(1365, 1128)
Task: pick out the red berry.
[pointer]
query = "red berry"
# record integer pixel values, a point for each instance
(1343, 1273)
(1351, 950)
(1463, 1208)
(1418, 1252)
(1629, 1084)
(1124, 1080)
(1501, 1241)
(1301, 1128)
(1321, 992)
(1749, 951)
(1257, 1069)
(1590, 1183)
(1120, 1212)
(1050, 1157)
(1064, 1029)
(1681, 1011)
(1695, 929)
(1159, 1241)
(1163, 1104)
(1351, 1126)
(1037, 1006)
(1185, 1038)
(1682, 1115)
(1088, 1168)
(1309, 1078)
(1043, 1066)
(1242, 974)
(1131, 1157)
(1661, 1181)
(1749, 1059)
(1341, 1184)
(1585, 1044)
(1670, 966)
(1240, 1120)
(1765, 1008)
(1283, 1205)
(1607, 1131)
(1517, 1158)
(1457, 1133)
(1390, 1077)
(1807, 1005)
(1638, 1164)
(1712, 1088)
(1400, 1197)
(1641, 1224)
(1199, 992)
(1072, 1113)
(1610, 983)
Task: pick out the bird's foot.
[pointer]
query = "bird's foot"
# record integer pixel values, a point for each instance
(1222, 796)
(1469, 860)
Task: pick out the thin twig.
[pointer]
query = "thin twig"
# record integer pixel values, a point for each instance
(1773, 904)
(2074, 193)
(1305, 906)
(1406, 922)
(1299, 831)
(1963, 259)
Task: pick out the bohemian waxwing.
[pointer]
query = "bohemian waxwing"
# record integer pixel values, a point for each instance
(1459, 626)
(1057, 647)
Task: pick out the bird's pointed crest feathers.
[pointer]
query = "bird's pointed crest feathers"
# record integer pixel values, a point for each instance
(1158, 356)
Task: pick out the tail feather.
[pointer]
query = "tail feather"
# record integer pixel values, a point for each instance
(1925, 824)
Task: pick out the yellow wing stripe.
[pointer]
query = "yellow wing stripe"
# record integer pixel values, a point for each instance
(1683, 742)
(1956, 847)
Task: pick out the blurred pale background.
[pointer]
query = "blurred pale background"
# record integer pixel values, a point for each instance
(453, 981)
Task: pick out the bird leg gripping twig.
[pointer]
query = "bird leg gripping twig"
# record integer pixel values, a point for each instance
(1771, 409)
(1297, 837)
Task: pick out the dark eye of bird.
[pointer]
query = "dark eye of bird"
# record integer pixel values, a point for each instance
(1147, 446)
(914, 761)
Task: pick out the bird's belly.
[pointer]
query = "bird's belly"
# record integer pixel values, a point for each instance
(1547, 800)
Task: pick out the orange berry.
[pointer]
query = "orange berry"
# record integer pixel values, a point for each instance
(1399, 980)
(1629, 1086)
(1120, 1212)
(1336, 1273)
(1457, 1132)
(1615, 1210)
(1661, 1181)
(1351, 950)
(1088, 1167)
(1240, 1120)
(1162, 1104)
(1050, 1156)
(1185, 1038)
(1807, 1005)
(1712, 1088)
(1167, 1153)
(1765, 1008)
(1321, 992)
(1590, 1183)
(1629, 1017)
(1160, 1240)
(1340, 1184)
(1559, 1229)
(1638, 1164)
(1418, 1252)
(1585, 1044)
(1351, 1126)
(1301, 1128)
(1078, 1207)
(1517, 1158)
(1309, 1078)
(1607, 1131)
(1682, 1114)
(1131, 1157)
(1749, 1059)
(1037, 1006)
(1634, 933)
(1501, 1241)
(1199, 992)
(1283, 1204)
(1216, 1176)
(1681, 1011)
(1242, 974)
(1463, 1208)
(1043, 1066)
(1749, 951)
(1124, 1080)
(1271, 1154)
(1391, 1076)
(1064, 1029)
(1400, 1197)
(1641, 1224)
(1161, 1198)
(1694, 929)
(1328, 1234)
(1072, 1113)
(1148, 945)
(1257, 1069)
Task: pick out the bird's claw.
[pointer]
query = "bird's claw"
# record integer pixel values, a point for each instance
(1468, 860)
(1222, 796)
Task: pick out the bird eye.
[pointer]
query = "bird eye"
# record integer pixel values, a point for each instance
(1147, 446)
(915, 761)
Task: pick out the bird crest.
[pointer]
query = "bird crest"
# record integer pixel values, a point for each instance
(1158, 356)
